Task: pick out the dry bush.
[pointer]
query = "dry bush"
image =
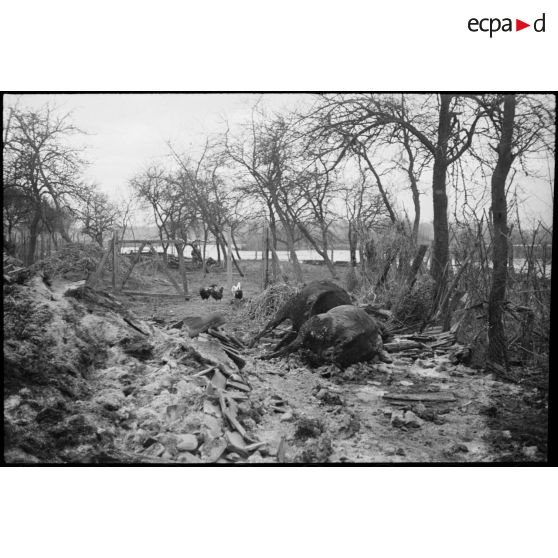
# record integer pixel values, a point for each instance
(351, 281)
(414, 306)
(268, 302)
(72, 261)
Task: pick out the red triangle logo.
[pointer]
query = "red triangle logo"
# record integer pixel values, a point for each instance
(519, 25)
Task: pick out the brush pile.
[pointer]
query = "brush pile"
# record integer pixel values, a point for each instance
(268, 302)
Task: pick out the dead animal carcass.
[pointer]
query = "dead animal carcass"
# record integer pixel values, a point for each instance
(315, 298)
(343, 335)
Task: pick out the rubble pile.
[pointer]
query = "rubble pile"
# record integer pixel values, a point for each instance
(86, 381)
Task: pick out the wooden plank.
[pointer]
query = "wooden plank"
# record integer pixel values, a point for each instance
(134, 262)
(435, 397)
(168, 274)
(238, 385)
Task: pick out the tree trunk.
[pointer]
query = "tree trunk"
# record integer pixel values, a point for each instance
(322, 251)
(291, 248)
(235, 246)
(352, 244)
(218, 244)
(204, 262)
(440, 247)
(496, 335)
(181, 265)
(33, 234)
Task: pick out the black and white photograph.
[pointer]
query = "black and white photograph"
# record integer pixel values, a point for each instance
(277, 278)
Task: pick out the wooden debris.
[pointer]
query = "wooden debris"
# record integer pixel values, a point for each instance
(238, 385)
(435, 397)
(235, 357)
(233, 420)
(237, 396)
(203, 372)
(198, 324)
(236, 442)
(403, 345)
(236, 341)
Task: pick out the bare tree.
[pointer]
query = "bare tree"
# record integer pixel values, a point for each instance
(445, 125)
(264, 156)
(43, 168)
(97, 214)
(521, 125)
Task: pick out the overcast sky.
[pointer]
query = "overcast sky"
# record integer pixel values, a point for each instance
(128, 132)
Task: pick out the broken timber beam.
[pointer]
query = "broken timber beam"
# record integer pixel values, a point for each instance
(434, 397)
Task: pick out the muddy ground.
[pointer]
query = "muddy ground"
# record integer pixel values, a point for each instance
(104, 380)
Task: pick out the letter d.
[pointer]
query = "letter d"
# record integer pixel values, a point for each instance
(535, 25)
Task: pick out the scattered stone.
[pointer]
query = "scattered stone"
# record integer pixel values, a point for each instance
(400, 451)
(12, 403)
(213, 425)
(383, 368)
(187, 457)
(287, 417)
(316, 451)
(186, 442)
(419, 409)
(405, 418)
(175, 412)
(425, 363)
(211, 450)
(308, 428)
(50, 415)
(155, 449)
(506, 434)
(256, 457)
(530, 451)
(406, 383)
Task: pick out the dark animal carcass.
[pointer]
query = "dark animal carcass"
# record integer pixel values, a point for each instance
(342, 336)
(315, 298)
